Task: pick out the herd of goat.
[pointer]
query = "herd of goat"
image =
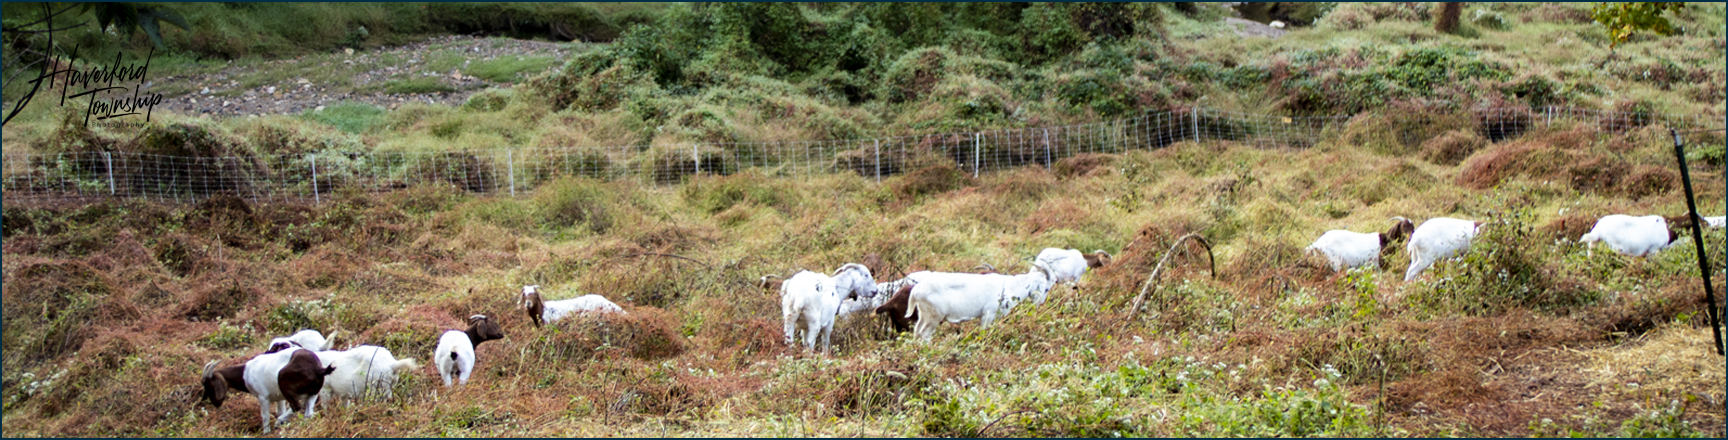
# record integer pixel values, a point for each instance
(295, 372)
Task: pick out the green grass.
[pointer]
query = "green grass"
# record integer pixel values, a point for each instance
(350, 117)
(509, 69)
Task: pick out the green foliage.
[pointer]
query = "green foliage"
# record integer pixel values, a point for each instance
(1324, 410)
(228, 337)
(489, 100)
(574, 202)
(425, 84)
(1624, 18)
(297, 315)
(1662, 423)
(1507, 266)
(127, 17)
(348, 116)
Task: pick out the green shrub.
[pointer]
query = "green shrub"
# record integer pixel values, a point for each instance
(570, 202)
(1507, 266)
(489, 100)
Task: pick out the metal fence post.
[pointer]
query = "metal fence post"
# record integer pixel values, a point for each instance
(878, 161)
(314, 161)
(696, 155)
(1048, 157)
(1194, 118)
(1548, 111)
(977, 152)
(510, 158)
(108, 160)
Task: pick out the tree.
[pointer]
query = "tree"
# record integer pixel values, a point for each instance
(1448, 20)
(1622, 19)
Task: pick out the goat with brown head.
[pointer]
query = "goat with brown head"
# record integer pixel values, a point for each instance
(455, 352)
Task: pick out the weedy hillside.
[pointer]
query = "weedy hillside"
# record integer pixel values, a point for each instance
(112, 307)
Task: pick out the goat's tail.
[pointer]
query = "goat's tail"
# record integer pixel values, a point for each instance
(404, 365)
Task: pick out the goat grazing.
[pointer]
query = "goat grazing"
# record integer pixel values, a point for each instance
(1436, 239)
(1065, 265)
(1346, 249)
(1098, 258)
(959, 297)
(814, 299)
(1634, 236)
(294, 375)
(455, 353)
(367, 367)
(897, 303)
(541, 310)
(308, 339)
(769, 285)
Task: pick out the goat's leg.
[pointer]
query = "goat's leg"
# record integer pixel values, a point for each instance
(812, 331)
(1416, 268)
(264, 413)
(311, 407)
(827, 341)
(791, 326)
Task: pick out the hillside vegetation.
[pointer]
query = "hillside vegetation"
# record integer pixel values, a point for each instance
(113, 307)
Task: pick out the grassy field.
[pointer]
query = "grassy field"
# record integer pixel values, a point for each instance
(113, 307)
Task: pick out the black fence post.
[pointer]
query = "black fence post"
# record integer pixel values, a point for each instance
(1698, 240)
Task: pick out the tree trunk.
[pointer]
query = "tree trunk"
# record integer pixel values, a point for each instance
(1448, 20)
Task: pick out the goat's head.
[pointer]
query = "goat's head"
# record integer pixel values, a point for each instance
(284, 345)
(482, 329)
(533, 303)
(1401, 230)
(1097, 259)
(215, 386)
(1040, 283)
(854, 281)
(769, 285)
(873, 261)
(984, 269)
(1678, 223)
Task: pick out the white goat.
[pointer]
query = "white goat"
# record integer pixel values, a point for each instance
(455, 353)
(1346, 249)
(541, 310)
(1436, 239)
(293, 376)
(308, 339)
(959, 297)
(1635, 236)
(813, 299)
(359, 369)
(1066, 265)
(884, 290)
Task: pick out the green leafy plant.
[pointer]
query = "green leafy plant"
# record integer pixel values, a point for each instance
(1625, 18)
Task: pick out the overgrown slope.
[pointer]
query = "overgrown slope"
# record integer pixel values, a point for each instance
(112, 307)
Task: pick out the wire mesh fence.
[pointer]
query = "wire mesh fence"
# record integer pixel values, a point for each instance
(313, 177)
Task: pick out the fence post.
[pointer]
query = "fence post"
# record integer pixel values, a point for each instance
(977, 152)
(1698, 240)
(109, 160)
(878, 161)
(314, 161)
(696, 155)
(1194, 118)
(1549, 112)
(510, 158)
(1047, 155)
